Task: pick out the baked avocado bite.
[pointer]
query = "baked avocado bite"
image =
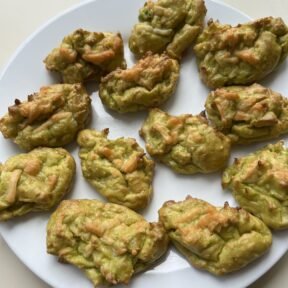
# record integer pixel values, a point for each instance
(259, 183)
(147, 84)
(185, 143)
(52, 117)
(248, 114)
(217, 239)
(109, 242)
(84, 55)
(118, 169)
(167, 25)
(243, 54)
(34, 181)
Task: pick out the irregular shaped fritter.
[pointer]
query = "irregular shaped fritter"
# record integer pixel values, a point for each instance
(52, 117)
(108, 241)
(185, 143)
(259, 183)
(248, 114)
(34, 181)
(85, 55)
(167, 25)
(118, 169)
(243, 54)
(219, 240)
(148, 84)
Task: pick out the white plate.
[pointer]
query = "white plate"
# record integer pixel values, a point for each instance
(26, 73)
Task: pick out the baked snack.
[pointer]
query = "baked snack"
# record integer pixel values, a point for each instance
(185, 143)
(52, 117)
(243, 54)
(118, 169)
(219, 240)
(248, 113)
(259, 183)
(85, 55)
(149, 83)
(167, 25)
(109, 242)
(34, 181)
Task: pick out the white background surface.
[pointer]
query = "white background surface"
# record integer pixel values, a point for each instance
(18, 19)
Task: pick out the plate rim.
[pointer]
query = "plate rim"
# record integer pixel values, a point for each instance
(22, 46)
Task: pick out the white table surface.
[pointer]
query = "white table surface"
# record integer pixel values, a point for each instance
(18, 19)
